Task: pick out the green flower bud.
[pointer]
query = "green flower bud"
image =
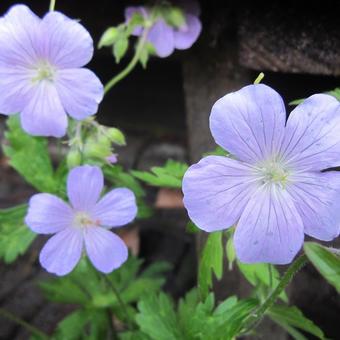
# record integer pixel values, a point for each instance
(116, 136)
(94, 149)
(109, 37)
(73, 158)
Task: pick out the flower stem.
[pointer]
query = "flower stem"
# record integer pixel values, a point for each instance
(52, 5)
(24, 324)
(131, 65)
(119, 299)
(252, 320)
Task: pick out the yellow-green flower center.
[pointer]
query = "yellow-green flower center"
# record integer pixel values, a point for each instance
(274, 173)
(84, 220)
(44, 71)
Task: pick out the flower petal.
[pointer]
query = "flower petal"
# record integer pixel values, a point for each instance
(116, 208)
(84, 185)
(270, 229)
(249, 123)
(161, 36)
(185, 38)
(216, 190)
(19, 37)
(16, 89)
(105, 249)
(44, 114)
(312, 139)
(130, 11)
(62, 251)
(316, 197)
(69, 44)
(48, 214)
(80, 92)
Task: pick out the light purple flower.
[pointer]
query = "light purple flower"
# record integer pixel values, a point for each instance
(274, 191)
(82, 224)
(113, 158)
(41, 74)
(166, 38)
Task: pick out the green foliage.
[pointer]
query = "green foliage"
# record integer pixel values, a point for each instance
(217, 152)
(15, 236)
(325, 261)
(97, 293)
(211, 262)
(335, 93)
(29, 156)
(169, 176)
(291, 318)
(119, 178)
(120, 48)
(261, 274)
(193, 319)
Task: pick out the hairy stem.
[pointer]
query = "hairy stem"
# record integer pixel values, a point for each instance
(23, 323)
(131, 65)
(52, 5)
(119, 299)
(252, 320)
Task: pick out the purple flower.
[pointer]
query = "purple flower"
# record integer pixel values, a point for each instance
(274, 191)
(41, 74)
(84, 223)
(166, 38)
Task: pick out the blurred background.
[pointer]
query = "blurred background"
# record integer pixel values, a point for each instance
(164, 112)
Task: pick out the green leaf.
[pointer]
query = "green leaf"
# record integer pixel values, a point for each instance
(120, 48)
(292, 317)
(29, 156)
(231, 255)
(15, 236)
(335, 93)
(109, 37)
(325, 261)
(211, 262)
(169, 176)
(261, 274)
(157, 317)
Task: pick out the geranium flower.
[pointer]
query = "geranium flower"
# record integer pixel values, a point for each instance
(41, 74)
(166, 38)
(83, 224)
(274, 191)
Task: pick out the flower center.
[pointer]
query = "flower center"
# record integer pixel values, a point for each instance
(274, 173)
(84, 220)
(44, 71)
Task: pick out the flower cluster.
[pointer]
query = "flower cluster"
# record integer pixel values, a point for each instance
(275, 190)
(41, 73)
(83, 223)
(164, 37)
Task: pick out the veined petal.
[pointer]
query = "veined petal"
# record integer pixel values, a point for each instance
(117, 208)
(68, 44)
(44, 114)
(270, 229)
(48, 214)
(316, 197)
(249, 123)
(19, 37)
(216, 190)
(80, 92)
(84, 185)
(16, 88)
(312, 139)
(185, 38)
(105, 250)
(161, 36)
(62, 251)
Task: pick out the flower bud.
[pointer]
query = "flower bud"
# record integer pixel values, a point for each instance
(73, 158)
(116, 136)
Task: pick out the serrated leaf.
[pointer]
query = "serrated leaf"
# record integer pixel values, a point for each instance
(157, 317)
(169, 176)
(36, 169)
(293, 317)
(325, 261)
(15, 236)
(211, 262)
